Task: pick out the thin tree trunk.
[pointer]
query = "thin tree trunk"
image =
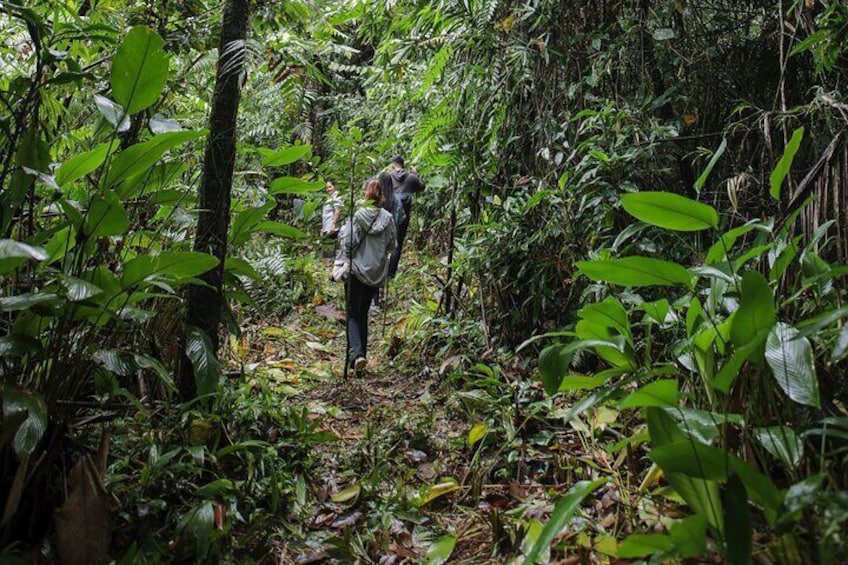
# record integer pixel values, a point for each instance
(206, 302)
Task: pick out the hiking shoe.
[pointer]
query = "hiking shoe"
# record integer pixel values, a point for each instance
(359, 364)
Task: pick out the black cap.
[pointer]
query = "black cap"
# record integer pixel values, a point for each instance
(398, 159)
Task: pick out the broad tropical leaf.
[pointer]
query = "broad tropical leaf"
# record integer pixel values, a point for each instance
(294, 185)
(782, 442)
(563, 511)
(284, 156)
(670, 211)
(105, 216)
(139, 70)
(207, 369)
(30, 410)
(143, 156)
(756, 313)
(176, 264)
(662, 393)
(440, 551)
(80, 165)
(636, 271)
(15, 253)
(642, 545)
(790, 357)
(737, 519)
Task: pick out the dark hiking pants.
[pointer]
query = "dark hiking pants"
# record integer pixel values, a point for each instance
(360, 296)
(401, 236)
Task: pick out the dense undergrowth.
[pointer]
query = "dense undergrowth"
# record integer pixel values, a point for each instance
(622, 335)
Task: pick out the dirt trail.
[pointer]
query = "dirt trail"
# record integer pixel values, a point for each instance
(393, 438)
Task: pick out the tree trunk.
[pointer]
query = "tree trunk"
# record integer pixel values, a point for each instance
(213, 222)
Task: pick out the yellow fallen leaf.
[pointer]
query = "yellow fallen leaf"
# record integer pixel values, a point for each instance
(430, 493)
(477, 432)
(346, 494)
(654, 474)
(282, 364)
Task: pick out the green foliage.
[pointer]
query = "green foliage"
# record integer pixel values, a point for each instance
(564, 509)
(751, 339)
(670, 211)
(139, 70)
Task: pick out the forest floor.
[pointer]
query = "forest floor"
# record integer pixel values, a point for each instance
(430, 454)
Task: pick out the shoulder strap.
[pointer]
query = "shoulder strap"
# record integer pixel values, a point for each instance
(356, 238)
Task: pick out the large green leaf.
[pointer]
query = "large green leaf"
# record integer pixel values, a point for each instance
(77, 289)
(782, 442)
(440, 551)
(670, 211)
(199, 524)
(658, 310)
(702, 495)
(737, 519)
(18, 302)
(280, 229)
(174, 264)
(80, 165)
(662, 393)
(636, 271)
(608, 313)
(144, 361)
(142, 156)
(692, 458)
(284, 156)
(756, 313)
(611, 348)
(105, 216)
(719, 250)
(696, 461)
(563, 510)
(642, 545)
(30, 410)
(113, 113)
(554, 361)
(690, 536)
(702, 425)
(730, 370)
(294, 185)
(139, 70)
(782, 169)
(245, 222)
(207, 369)
(15, 253)
(790, 357)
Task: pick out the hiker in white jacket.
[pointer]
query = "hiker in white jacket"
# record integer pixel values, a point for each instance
(364, 252)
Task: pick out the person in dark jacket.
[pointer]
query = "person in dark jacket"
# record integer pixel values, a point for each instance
(388, 189)
(405, 185)
(364, 248)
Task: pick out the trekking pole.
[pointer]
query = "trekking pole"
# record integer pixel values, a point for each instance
(385, 303)
(349, 273)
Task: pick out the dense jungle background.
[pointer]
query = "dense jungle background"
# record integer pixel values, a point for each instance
(618, 333)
